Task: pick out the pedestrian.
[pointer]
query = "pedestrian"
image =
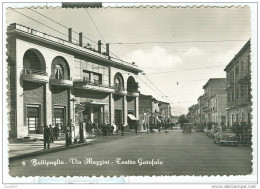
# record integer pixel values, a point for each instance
(136, 128)
(56, 132)
(117, 128)
(159, 128)
(122, 129)
(68, 136)
(46, 137)
(147, 128)
(51, 134)
(104, 130)
(112, 129)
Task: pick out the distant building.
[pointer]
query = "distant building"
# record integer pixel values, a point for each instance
(213, 87)
(239, 87)
(201, 113)
(193, 114)
(152, 111)
(165, 111)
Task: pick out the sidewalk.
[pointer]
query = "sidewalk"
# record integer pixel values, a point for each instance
(35, 148)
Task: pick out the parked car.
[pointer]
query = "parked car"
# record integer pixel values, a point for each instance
(212, 131)
(225, 137)
(199, 128)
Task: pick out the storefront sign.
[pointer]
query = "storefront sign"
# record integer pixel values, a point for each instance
(79, 108)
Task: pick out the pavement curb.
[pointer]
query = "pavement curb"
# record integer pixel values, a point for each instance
(52, 150)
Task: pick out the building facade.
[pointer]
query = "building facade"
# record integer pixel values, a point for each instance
(218, 104)
(239, 87)
(213, 87)
(193, 114)
(54, 81)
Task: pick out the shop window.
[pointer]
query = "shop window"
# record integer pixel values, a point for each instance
(33, 119)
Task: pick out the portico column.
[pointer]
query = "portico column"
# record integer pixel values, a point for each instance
(48, 104)
(125, 110)
(137, 111)
(111, 109)
(91, 115)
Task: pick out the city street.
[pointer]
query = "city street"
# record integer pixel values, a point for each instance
(180, 154)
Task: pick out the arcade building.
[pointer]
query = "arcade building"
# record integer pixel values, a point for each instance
(49, 77)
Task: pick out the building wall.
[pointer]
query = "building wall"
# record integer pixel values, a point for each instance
(239, 89)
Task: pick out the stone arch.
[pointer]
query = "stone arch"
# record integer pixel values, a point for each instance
(60, 63)
(119, 80)
(34, 60)
(131, 84)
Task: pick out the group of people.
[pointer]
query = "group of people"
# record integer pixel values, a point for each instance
(104, 128)
(52, 133)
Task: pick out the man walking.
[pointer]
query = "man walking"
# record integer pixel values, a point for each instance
(136, 128)
(122, 129)
(46, 137)
(51, 134)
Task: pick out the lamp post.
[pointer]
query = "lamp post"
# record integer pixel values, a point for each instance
(73, 100)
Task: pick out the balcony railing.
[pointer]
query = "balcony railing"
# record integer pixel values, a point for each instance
(35, 75)
(62, 81)
(81, 82)
(32, 71)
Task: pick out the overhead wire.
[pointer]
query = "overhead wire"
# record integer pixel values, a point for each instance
(188, 69)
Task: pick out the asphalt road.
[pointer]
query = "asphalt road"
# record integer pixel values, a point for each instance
(175, 153)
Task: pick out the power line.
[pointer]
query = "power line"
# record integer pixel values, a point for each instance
(170, 42)
(185, 70)
(38, 21)
(96, 26)
(157, 88)
(62, 25)
(49, 18)
(148, 86)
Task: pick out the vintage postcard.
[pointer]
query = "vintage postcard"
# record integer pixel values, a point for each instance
(124, 93)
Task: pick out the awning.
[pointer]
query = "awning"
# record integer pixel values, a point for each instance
(132, 117)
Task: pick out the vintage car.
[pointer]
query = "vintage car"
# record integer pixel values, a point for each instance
(187, 127)
(225, 137)
(212, 131)
(199, 128)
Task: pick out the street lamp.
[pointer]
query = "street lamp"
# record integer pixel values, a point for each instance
(73, 100)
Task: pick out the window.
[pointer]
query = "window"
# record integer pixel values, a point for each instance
(242, 66)
(97, 79)
(241, 90)
(58, 72)
(117, 83)
(86, 76)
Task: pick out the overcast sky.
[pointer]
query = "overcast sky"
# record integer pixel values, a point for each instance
(131, 25)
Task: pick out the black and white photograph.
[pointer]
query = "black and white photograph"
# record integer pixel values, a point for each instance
(122, 90)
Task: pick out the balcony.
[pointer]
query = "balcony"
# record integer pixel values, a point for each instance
(119, 90)
(37, 76)
(94, 86)
(64, 82)
(133, 93)
(205, 109)
(245, 79)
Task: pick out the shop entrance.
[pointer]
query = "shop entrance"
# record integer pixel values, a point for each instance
(93, 114)
(59, 117)
(33, 119)
(118, 117)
